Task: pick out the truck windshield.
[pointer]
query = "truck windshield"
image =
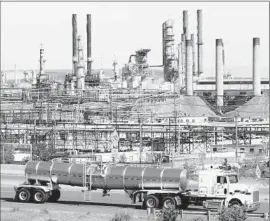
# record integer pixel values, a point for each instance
(233, 179)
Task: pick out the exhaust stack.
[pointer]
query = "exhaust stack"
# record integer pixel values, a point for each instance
(189, 74)
(256, 68)
(185, 25)
(74, 43)
(219, 72)
(200, 42)
(89, 44)
(194, 55)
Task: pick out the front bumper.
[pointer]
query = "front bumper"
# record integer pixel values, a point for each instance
(253, 206)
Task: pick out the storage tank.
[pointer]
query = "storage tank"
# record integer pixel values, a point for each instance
(108, 177)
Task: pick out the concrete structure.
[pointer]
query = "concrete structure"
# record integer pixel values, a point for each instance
(89, 46)
(189, 74)
(200, 41)
(194, 55)
(256, 68)
(74, 43)
(219, 72)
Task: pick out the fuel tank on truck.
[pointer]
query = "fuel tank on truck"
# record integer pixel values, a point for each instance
(109, 177)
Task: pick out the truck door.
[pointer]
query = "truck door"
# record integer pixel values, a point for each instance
(221, 185)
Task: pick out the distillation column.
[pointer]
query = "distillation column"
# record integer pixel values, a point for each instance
(80, 66)
(180, 71)
(189, 74)
(183, 51)
(200, 42)
(219, 73)
(256, 68)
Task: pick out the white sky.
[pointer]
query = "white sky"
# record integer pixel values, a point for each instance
(120, 28)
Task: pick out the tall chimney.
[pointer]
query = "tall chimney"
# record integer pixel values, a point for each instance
(80, 65)
(219, 72)
(180, 71)
(74, 43)
(89, 44)
(256, 68)
(194, 55)
(200, 42)
(185, 25)
(189, 74)
(183, 50)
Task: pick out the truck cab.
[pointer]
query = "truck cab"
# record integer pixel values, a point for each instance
(223, 186)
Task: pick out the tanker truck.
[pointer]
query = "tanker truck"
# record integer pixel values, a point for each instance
(154, 187)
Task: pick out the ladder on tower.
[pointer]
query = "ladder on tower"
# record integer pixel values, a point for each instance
(87, 181)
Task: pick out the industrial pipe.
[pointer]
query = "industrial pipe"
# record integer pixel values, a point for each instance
(189, 74)
(219, 72)
(256, 66)
(200, 41)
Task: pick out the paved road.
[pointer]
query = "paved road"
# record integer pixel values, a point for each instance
(75, 198)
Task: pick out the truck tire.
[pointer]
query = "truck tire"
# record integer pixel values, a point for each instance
(23, 195)
(55, 196)
(39, 196)
(151, 202)
(169, 202)
(235, 202)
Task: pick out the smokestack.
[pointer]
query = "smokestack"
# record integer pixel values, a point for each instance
(256, 68)
(200, 42)
(183, 50)
(180, 71)
(189, 74)
(194, 55)
(74, 43)
(185, 25)
(80, 65)
(89, 44)
(219, 72)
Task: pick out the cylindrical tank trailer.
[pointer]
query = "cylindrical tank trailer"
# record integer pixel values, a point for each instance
(108, 177)
(152, 186)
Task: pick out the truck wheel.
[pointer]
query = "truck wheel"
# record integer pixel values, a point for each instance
(235, 203)
(151, 202)
(55, 196)
(169, 202)
(39, 196)
(23, 195)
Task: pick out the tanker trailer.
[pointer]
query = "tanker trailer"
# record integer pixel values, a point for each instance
(155, 187)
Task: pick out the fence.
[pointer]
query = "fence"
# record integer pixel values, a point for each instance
(152, 214)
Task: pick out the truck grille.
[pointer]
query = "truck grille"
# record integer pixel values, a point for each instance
(256, 196)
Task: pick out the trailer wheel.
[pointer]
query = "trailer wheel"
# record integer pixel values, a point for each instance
(23, 195)
(39, 196)
(55, 195)
(169, 202)
(151, 202)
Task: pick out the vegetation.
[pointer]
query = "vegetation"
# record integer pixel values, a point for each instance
(233, 213)
(168, 215)
(7, 157)
(121, 216)
(42, 152)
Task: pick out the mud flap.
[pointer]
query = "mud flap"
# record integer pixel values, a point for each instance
(178, 200)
